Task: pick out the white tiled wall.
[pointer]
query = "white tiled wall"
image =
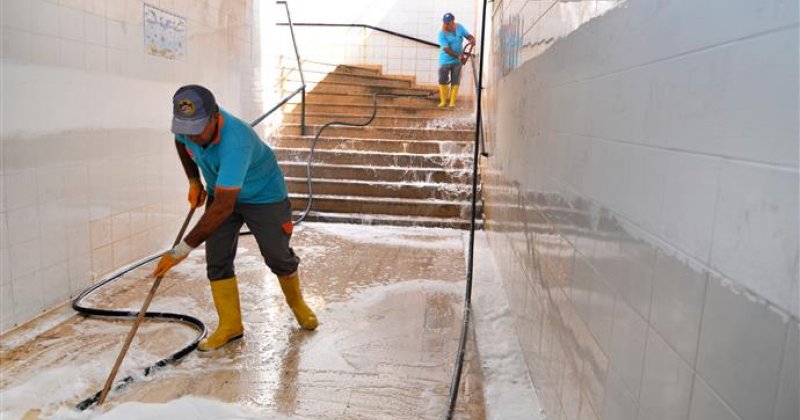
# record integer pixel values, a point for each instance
(90, 180)
(659, 140)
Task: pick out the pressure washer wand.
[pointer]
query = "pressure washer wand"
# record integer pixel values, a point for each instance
(140, 317)
(467, 53)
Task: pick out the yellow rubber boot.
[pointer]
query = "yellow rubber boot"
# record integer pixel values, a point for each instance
(453, 93)
(226, 299)
(291, 290)
(443, 92)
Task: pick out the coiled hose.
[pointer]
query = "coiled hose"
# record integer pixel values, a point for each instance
(197, 324)
(78, 306)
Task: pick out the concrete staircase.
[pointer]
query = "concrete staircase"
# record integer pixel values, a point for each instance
(411, 166)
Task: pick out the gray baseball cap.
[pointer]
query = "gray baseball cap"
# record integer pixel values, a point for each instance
(192, 106)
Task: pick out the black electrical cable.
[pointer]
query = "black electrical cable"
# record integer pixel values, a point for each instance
(462, 342)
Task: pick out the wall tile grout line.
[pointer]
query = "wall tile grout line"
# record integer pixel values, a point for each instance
(683, 54)
(700, 264)
(721, 157)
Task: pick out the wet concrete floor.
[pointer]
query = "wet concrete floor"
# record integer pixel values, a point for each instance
(389, 301)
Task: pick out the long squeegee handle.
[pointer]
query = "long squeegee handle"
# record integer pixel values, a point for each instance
(140, 317)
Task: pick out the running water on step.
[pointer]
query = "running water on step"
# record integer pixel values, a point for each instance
(464, 122)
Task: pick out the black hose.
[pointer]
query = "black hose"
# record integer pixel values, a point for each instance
(462, 342)
(77, 304)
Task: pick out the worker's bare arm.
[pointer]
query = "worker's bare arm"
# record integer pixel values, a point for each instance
(188, 164)
(216, 213)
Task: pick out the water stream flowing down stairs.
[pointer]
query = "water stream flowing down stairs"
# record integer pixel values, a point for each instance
(411, 166)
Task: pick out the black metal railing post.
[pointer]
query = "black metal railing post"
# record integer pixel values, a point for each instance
(299, 68)
(478, 87)
(302, 88)
(303, 112)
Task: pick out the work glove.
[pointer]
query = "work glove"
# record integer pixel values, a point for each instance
(172, 258)
(197, 194)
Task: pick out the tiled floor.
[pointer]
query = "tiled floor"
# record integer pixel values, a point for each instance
(389, 301)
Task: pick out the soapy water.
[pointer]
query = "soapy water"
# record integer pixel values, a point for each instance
(56, 377)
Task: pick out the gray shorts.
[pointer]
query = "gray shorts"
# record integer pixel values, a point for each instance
(450, 74)
(271, 225)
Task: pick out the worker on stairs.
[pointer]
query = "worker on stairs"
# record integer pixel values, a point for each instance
(451, 58)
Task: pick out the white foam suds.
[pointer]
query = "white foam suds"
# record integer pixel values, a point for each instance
(61, 387)
(185, 408)
(508, 391)
(411, 237)
(37, 326)
(46, 389)
(362, 299)
(366, 319)
(312, 251)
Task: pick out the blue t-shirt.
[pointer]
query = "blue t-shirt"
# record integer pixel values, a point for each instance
(239, 159)
(453, 40)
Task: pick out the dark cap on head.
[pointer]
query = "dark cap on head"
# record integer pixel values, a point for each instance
(448, 17)
(192, 106)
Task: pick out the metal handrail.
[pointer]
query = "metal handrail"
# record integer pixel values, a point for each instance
(301, 90)
(361, 25)
(280, 104)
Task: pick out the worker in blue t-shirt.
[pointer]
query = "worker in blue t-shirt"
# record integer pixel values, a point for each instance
(244, 184)
(451, 58)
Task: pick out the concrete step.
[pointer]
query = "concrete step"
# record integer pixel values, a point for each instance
(363, 71)
(389, 133)
(385, 189)
(378, 145)
(327, 86)
(432, 111)
(436, 191)
(374, 158)
(383, 206)
(367, 99)
(382, 81)
(372, 173)
(348, 75)
(466, 123)
(391, 220)
(374, 72)
(311, 66)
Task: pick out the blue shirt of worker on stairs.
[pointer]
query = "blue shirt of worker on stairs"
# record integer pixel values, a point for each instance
(453, 40)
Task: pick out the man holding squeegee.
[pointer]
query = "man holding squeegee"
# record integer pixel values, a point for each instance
(244, 184)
